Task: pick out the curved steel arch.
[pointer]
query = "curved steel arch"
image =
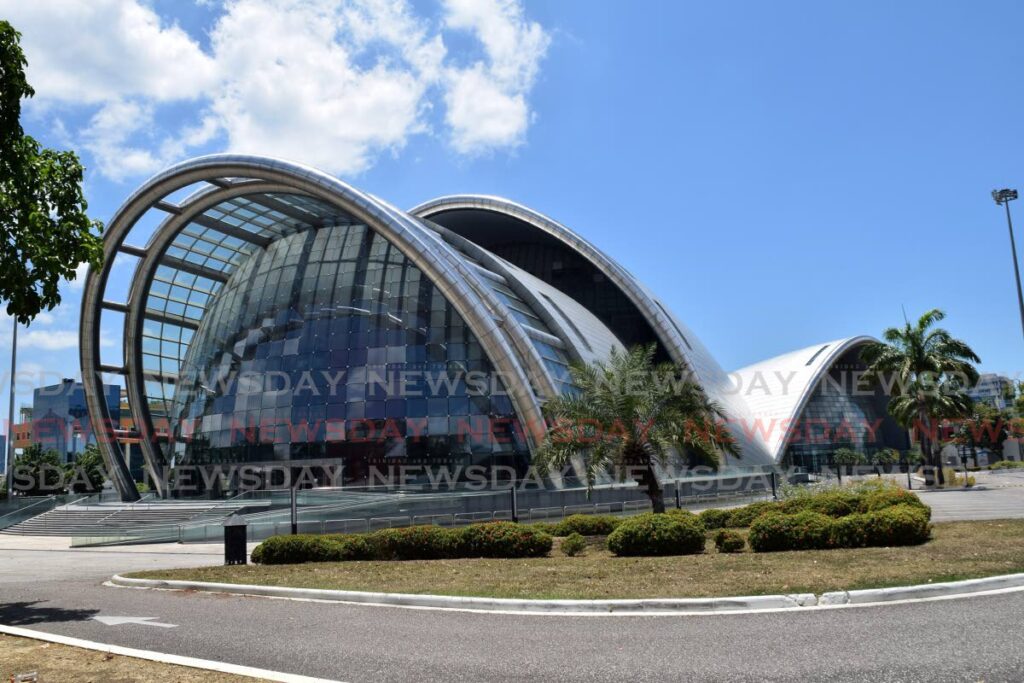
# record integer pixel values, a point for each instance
(683, 348)
(156, 248)
(670, 338)
(481, 310)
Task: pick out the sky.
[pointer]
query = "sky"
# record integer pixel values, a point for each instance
(780, 174)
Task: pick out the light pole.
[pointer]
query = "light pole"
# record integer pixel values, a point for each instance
(10, 414)
(1004, 197)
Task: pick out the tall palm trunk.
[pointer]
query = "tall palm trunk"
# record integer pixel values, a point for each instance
(933, 460)
(654, 490)
(637, 457)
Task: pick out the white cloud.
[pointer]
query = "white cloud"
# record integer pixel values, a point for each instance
(76, 285)
(48, 340)
(303, 93)
(94, 51)
(108, 134)
(482, 114)
(486, 102)
(333, 83)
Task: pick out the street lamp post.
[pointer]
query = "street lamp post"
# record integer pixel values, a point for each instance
(1004, 197)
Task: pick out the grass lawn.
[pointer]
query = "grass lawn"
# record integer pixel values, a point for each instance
(74, 665)
(958, 550)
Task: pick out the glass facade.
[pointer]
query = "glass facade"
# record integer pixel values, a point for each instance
(60, 418)
(557, 264)
(330, 346)
(549, 347)
(843, 413)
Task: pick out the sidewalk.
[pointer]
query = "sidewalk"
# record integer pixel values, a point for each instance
(64, 543)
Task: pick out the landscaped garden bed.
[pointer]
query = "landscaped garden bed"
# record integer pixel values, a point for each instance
(841, 539)
(957, 550)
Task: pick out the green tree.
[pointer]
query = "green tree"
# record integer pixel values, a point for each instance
(985, 427)
(87, 472)
(847, 457)
(38, 472)
(44, 230)
(630, 415)
(886, 456)
(925, 369)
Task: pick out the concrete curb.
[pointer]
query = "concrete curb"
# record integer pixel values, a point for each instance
(929, 590)
(647, 606)
(753, 603)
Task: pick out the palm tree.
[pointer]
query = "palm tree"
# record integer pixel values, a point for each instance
(630, 415)
(926, 371)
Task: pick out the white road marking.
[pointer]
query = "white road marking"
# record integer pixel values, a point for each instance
(164, 658)
(145, 621)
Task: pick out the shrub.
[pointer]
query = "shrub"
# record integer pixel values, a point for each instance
(503, 539)
(850, 532)
(836, 503)
(803, 531)
(744, 516)
(898, 525)
(715, 518)
(587, 525)
(306, 548)
(953, 478)
(890, 526)
(573, 545)
(658, 534)
(416, 543)
(728, 541)
(1006, 465)
(890, 496)
(549, 528)
(498, 539)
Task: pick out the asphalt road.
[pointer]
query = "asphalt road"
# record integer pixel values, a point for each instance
(974, 639)
(953, 640)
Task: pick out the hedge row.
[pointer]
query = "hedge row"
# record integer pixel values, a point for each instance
(1006, 465)
(836, 503)
(677, 533)
(496, 539)
(584, 525)
(808, 530)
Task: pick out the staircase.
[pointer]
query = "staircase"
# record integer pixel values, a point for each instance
(112, 519)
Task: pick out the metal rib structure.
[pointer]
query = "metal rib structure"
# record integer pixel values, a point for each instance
(534, 296)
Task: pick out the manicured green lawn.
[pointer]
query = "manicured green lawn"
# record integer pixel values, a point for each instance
(958, 550)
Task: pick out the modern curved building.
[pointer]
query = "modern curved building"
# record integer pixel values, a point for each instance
(278, 315)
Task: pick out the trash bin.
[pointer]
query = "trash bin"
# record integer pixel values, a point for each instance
(235, 539)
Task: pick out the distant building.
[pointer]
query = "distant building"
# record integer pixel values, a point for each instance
(22, 429)
(60, 420)
(992, 389)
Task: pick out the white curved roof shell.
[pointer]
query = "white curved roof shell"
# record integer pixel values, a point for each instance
(776, 390)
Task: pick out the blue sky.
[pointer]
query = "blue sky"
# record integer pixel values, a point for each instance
(781, 173)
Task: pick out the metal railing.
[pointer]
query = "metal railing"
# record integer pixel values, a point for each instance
(364, 510)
